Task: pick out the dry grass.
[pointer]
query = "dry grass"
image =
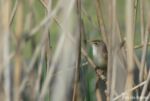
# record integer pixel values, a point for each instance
(55, 72)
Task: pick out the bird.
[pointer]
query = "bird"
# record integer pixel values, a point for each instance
(100, 54)
(100, 57)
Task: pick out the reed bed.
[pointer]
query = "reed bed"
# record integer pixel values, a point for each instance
(45, 53)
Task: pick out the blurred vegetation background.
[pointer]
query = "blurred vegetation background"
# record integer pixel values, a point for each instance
(35, 48)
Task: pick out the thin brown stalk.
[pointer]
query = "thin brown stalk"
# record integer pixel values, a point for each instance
(29, 23)
(135, 13)
(11, 55)
(144, 90)
(110, 54)
(137, 62)
(37, 84)
(77, 72)
(130, 40)
(18, 60)
(100, 21)
(30, 19)
(140, 46)
(5, 13)
(48, 7)
(142, 20)
(130, 90)
(114, 43)
(13, 12)
(45, 3)
(109, 71)
(146, 38)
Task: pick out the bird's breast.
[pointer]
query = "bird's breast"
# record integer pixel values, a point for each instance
(99, 58)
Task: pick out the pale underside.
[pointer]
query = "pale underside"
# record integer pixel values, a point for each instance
(98, 57)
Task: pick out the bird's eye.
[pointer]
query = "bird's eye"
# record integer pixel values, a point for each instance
(96, 43)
